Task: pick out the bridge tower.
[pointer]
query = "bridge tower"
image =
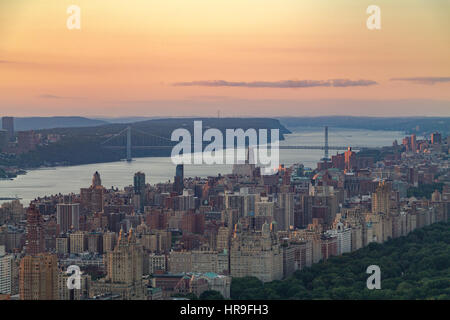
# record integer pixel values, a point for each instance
(326, 144)
(129, 159)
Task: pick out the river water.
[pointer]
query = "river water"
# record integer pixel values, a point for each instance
(48, 181)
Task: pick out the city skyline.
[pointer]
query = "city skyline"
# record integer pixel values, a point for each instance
(154, 58)
(253, 153)
(220, 237)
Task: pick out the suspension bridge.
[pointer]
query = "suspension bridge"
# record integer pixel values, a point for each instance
(147, 141)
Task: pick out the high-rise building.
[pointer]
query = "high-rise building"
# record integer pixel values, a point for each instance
(92, 197)
(35, 233)
(381, 198)
(96, 180)
(256, 253)
(350, 159)
(12, 211)
(201, 261)
(264, 208)
(380, 229)
(109, 241)
(78, 242)
(193, 223)
(184, 202)
(344, 238)
(157, 262)
(4, 137)
(329, 246)
(247, 168)
(249, 202)
(286, 202)
(159, 241)
(8, 125)
(139, 182)
(156, 219)
(139, 190)
(6, 271)
(125, 261)
(68, 216)
(413, 143)
(124, 269)
(338, 161)
(234, 201)
(38, 277)
(223, 239)
(436, 138)
(62, 245)
(95, 242)
(64, 293)
(289, 255)
(178, 185)
(303, 254)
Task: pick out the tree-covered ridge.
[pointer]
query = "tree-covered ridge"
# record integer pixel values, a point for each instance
(417, 125)
(416, 266)
(84, 145)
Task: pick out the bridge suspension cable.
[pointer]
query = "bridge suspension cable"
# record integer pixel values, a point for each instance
(326, 147)
(152, 135)
(114, 136)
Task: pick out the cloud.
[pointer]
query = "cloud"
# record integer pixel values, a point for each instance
(50, 96)
(424, 80)
(209, 98)
(280, 84)
(6, 61)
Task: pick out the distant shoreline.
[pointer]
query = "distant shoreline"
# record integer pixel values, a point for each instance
(62, 165)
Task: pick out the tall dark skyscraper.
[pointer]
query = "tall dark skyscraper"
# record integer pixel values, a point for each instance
(180, 170)
(178, 185)
(8, 125)
(139, 189)
(139, 182)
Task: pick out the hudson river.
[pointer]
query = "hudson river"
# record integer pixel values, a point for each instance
(65, 180)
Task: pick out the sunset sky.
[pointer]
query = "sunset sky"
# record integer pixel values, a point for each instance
(242, 57)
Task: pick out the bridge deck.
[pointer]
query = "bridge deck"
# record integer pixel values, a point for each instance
(280, 147)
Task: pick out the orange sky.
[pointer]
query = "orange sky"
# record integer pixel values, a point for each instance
(129, 54)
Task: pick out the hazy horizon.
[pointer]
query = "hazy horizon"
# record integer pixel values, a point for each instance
(362, 108)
